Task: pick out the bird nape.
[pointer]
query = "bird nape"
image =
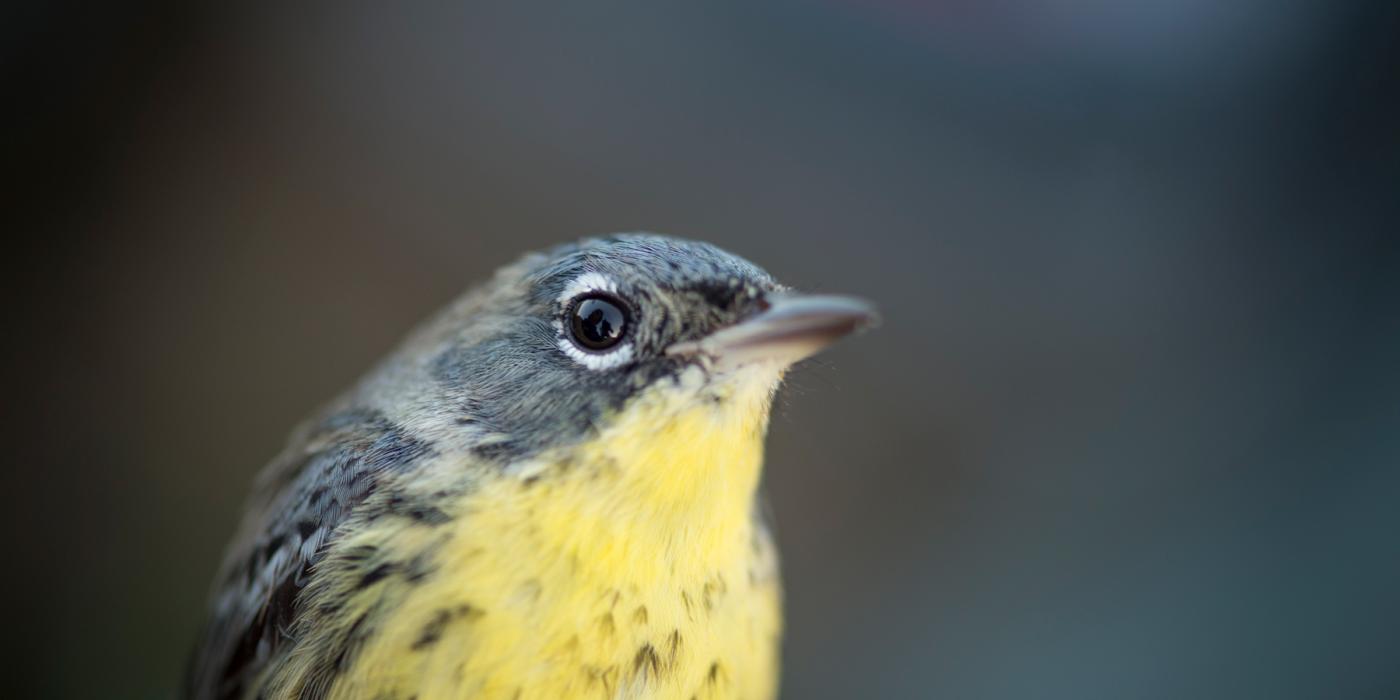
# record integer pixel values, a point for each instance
(548, 491)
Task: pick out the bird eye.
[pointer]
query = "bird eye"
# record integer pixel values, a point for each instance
(597, 322)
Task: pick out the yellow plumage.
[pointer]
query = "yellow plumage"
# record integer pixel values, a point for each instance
(627, 566)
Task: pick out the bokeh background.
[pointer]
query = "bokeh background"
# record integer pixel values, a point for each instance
(1131, 428)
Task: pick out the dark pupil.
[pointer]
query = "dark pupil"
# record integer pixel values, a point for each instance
(598, 323)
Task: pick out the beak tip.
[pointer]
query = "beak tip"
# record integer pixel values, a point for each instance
(851, 313)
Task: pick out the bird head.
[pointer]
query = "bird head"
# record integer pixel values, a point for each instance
(561, 343)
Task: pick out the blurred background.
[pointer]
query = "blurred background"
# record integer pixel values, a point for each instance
(1131, 428)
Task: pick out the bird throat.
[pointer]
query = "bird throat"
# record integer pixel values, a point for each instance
(628, 563)
(671, 479)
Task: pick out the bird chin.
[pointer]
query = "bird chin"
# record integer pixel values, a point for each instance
(721, 385)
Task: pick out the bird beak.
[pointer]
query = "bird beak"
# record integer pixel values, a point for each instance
(791, 328)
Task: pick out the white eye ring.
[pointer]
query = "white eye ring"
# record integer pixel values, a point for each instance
(588, 283)
(583, 284)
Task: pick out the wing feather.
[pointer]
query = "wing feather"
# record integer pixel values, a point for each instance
(329, 467)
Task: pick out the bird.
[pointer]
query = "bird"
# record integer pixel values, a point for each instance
(549, 490)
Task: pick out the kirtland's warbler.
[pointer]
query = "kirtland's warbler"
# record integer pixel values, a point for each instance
(549, 491)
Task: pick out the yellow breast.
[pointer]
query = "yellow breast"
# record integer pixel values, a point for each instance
(628, 567)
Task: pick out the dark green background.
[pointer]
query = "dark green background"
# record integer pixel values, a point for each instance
(1129, 430)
